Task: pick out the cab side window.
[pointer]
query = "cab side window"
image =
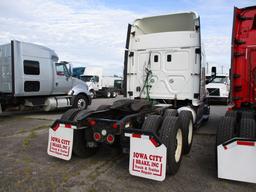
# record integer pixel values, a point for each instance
(61, 70)
(31, 67)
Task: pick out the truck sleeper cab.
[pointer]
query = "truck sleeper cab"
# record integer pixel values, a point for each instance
(164, 84)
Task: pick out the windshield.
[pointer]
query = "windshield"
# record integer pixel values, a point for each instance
(118, 84)
(220, 80)
(86, 78)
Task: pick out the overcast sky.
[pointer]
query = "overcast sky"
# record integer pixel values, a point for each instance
(93, 32)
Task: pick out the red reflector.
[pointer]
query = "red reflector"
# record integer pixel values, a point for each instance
(155, 143)
(110, 138)
(97, 136)
(68, 125)
(115, 126)
(247, 143)
(136, 135)
(92, 122)
(56, 127)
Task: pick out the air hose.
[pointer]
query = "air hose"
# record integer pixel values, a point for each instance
(146, 83)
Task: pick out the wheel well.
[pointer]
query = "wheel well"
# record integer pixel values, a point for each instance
(86, 96)
(189, 109)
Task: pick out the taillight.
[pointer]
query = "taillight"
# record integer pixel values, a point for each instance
(110, 139)
(115, 125)
(92, 122)
(97, 136)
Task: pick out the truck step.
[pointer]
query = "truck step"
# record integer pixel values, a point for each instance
(238, 54)
(243, 18)
(235, 76)
(236, 98)
(239, 42)
(238, 88)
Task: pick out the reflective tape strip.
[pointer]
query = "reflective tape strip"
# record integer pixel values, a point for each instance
(56, 127)
(69, 126)
(127, 134)
(136, 135)
(246, 143)
(155, 143)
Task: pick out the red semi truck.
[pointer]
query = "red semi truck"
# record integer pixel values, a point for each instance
(236, 134)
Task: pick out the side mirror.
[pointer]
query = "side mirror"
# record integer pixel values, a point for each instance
(213, 75)
(213, 72)
(93, 79)
(70, 69)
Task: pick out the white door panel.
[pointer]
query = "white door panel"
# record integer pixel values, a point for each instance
(171, 74)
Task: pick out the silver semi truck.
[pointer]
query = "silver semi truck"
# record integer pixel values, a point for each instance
(31, 76)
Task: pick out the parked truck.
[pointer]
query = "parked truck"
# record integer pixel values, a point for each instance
(218, 88)
(99, 85)
(164, 81)
(236, 134)
(31, 76)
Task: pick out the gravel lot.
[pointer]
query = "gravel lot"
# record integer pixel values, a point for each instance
(25, 165)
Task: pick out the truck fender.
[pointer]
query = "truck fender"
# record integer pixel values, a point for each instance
(79, 89)
(187, 108)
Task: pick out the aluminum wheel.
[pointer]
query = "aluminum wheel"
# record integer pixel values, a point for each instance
(190, 132)
(81, 103)
(178, 150)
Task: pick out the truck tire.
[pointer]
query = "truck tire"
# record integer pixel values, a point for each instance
(152, 123)
(171, 137)
(113, 94)
(247, 128)
(80, 147)
(103, 107)
(108, 94)
(186, 121)
(170, 112)
(225, 130)
(247, 115)
(231, 114)
(93, 94)
(80, 102)
(206, 112)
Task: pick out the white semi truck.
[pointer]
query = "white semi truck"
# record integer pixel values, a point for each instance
(218, 88)
(31, 76)
(99, 85)
(164, 81)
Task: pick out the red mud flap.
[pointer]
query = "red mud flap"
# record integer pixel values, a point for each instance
(60, 142)
(147, 156)
(237, 160)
